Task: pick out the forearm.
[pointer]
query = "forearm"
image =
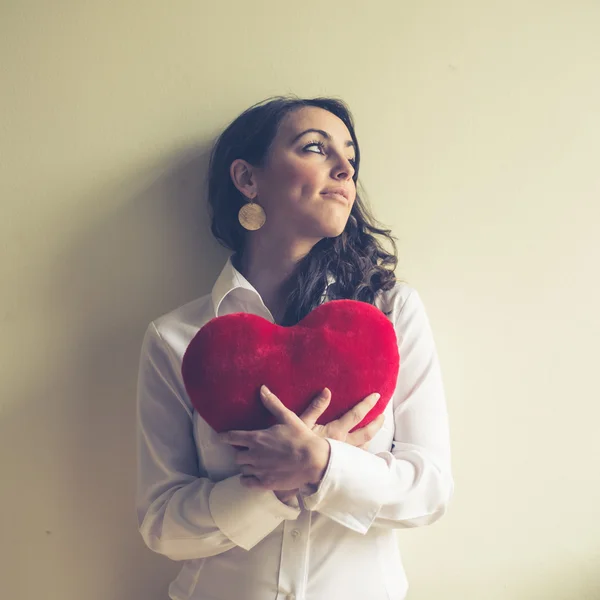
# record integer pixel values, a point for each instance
(360, 490)
(202, 518)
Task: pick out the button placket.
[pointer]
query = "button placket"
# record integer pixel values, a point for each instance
(293, 564)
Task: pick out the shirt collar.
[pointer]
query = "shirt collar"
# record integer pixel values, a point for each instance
(231, 279)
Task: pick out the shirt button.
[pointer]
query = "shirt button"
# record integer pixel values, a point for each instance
(295, 533)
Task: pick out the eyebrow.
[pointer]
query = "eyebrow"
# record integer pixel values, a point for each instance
(349, 143)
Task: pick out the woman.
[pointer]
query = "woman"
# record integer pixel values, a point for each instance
(248, 520)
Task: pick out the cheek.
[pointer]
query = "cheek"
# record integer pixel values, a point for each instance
(299, 174)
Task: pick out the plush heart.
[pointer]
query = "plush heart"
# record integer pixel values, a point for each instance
(346, 345)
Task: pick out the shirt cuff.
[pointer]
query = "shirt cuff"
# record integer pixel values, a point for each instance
(247, 515)
(353, 488)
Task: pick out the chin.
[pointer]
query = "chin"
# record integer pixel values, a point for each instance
(332, 232)
(330, 228)
(337, 232)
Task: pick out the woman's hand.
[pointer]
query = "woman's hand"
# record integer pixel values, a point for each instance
(300, 452)
(284, 457)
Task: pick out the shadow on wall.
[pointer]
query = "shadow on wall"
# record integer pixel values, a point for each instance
(151, 255)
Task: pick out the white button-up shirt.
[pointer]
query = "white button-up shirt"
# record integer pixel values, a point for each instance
(335, 543)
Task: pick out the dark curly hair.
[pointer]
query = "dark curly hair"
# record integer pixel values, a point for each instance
(356, 259)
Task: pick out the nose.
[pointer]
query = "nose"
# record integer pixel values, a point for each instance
(343, 169)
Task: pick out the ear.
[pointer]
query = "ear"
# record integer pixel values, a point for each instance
(244, 178)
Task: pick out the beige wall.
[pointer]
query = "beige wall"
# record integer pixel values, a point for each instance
(480, 128)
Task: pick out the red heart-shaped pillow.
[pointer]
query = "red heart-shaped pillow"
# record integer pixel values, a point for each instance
(346, 345)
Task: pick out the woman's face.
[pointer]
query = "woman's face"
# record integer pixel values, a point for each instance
(305, 185)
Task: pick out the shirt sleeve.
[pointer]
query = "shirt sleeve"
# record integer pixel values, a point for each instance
(410, 485)
(182, 513)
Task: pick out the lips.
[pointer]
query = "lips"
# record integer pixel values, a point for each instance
(340, 193)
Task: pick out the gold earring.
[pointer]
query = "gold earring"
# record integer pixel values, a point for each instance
(252, 216)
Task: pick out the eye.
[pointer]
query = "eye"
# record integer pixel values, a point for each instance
(321, 147)
(318, 143)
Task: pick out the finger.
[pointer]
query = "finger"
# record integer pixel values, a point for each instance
(238, 438)
(356, 414)
(276, 407)
(365, 434)
(244, 457)
(316, 408)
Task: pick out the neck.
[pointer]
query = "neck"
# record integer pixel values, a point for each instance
(268, 267)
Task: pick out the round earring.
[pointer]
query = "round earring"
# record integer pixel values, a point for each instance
(252, 216)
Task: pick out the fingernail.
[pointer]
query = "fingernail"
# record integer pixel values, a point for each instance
(376, 397)
(264, 390)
